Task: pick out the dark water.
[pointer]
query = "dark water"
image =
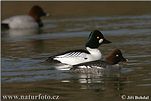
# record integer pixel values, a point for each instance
(23, 53)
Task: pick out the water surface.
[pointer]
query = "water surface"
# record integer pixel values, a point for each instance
(24, 52)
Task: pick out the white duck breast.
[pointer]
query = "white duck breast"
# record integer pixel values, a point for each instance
(21, 22)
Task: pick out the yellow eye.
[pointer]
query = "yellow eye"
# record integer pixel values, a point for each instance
(97, 37)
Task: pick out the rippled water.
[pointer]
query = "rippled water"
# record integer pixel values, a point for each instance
(24, 52)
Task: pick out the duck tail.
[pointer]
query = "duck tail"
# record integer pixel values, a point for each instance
(51, 60)
(4, 26)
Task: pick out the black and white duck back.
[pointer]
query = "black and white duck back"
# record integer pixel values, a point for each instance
(78, 56)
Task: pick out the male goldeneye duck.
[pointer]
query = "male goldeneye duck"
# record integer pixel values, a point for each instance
(89, 67)
(91, 53)
(32, 20)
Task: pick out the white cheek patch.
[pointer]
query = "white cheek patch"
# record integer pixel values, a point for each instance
(101, 40)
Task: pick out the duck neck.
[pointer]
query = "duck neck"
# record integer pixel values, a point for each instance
(37, 19)
(40, 24)
(94, 51)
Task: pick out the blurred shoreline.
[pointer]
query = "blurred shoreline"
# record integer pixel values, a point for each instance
(61, 9)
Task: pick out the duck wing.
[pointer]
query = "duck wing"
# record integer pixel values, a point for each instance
(69, 54)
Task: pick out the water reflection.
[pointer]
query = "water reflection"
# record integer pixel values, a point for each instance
(20, 32)
(98, 81)
(11, 36)
(38, 46)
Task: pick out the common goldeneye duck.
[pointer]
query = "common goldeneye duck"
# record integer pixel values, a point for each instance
(32, 20)
(89, 67)
(91, 53)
